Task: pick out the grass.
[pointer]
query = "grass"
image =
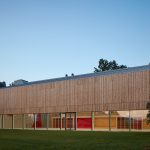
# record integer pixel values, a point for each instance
(70, 140)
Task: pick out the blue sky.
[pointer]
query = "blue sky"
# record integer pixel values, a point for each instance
(42, 39)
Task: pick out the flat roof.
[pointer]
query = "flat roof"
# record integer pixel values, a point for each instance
(95, 74)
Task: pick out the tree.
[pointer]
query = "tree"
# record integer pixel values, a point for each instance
(104, 65)
(148, 117)
(2, 84)
(148, 114)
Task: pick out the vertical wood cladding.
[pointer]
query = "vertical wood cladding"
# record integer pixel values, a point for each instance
(112, 92)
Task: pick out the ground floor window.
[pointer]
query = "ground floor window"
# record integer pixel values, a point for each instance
(69, 121)
(62, 121)
(1, 121)
(18, 121)
(102, 120)
(8, 121)
(54, 120)
(122, 119)
(41, 120)
(29, 121)
(139, 120)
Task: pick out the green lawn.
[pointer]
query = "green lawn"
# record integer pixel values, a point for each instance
(71, 140)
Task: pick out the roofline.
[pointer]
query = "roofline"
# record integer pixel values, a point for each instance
(102, 73)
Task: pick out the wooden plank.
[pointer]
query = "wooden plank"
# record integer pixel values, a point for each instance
(101, 93)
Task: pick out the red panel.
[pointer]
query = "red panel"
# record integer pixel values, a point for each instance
(57, 123)
(38, 121)
(137, 124)
(69, 122)
(84, 123)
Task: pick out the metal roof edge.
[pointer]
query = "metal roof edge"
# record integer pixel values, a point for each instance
(103, 73)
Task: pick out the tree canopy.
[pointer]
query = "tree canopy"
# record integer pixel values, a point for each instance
(148, 114)
(104, 65)
(2, 84)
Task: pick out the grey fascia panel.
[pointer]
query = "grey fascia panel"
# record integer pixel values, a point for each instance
(103, 73)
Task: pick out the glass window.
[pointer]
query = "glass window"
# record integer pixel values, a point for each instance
(0, 121)
(8, 122)
(123, 120)
(63, 120)
(41, 120)
(54, 120)
(101, 120)
(70, 120)
(29, 121)
(18, 121)
(139, 120)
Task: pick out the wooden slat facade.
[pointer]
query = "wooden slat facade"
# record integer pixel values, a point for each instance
(125, 91)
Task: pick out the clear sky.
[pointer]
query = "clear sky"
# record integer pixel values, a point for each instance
(42, 39)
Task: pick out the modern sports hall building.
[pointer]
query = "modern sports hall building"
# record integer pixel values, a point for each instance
(111, 100)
